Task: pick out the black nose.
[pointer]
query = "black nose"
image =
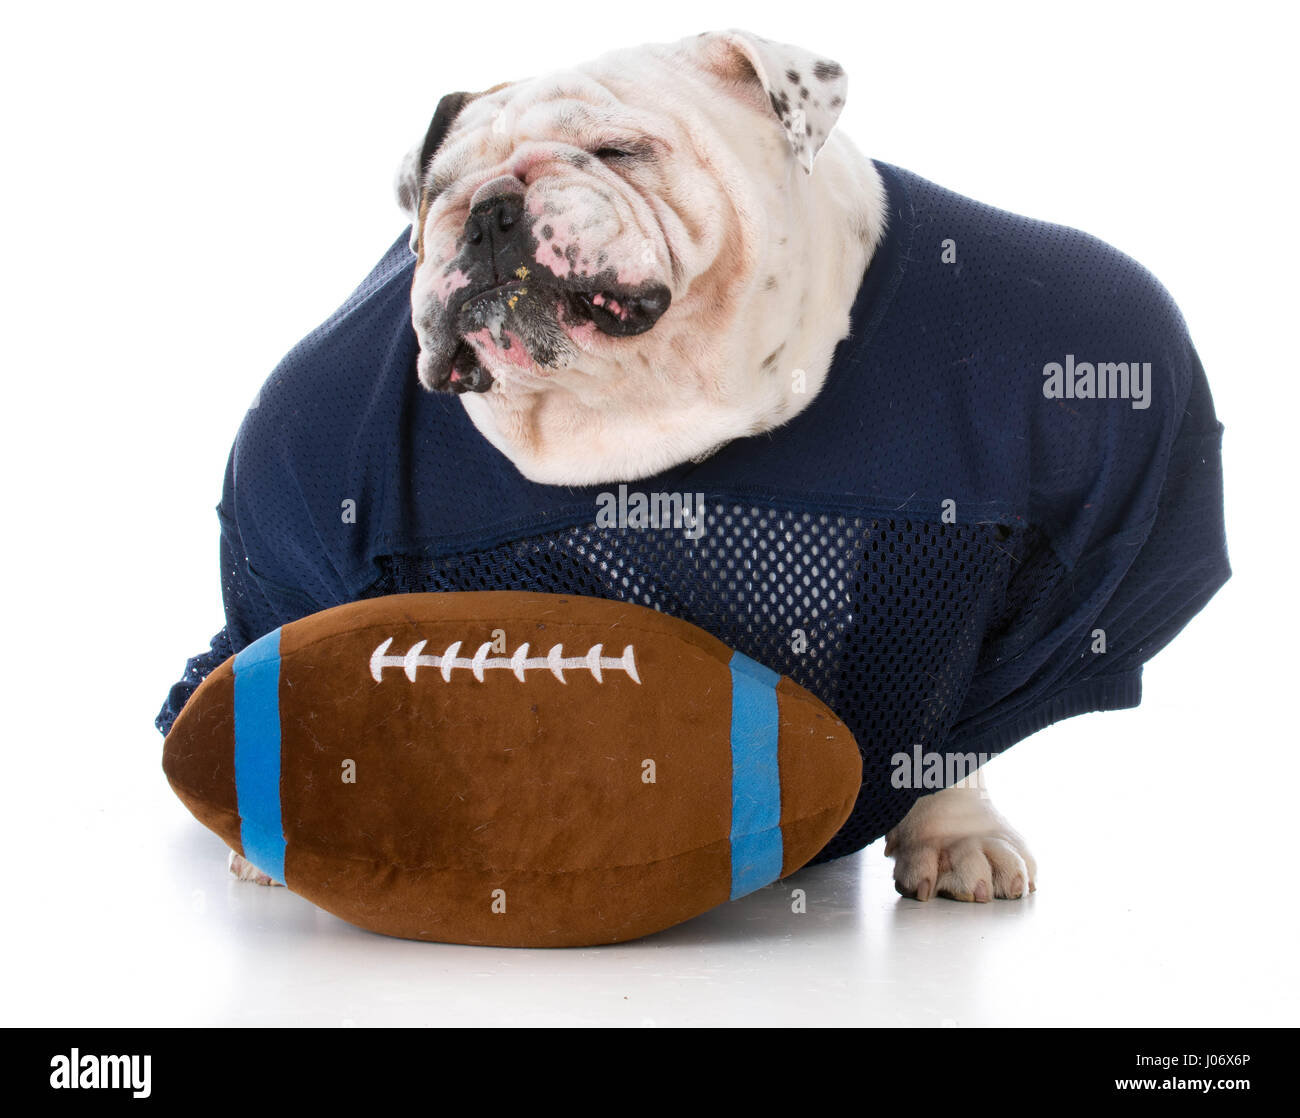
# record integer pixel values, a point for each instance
(496, 234)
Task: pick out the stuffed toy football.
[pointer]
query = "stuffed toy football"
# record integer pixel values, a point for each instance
(510, 768)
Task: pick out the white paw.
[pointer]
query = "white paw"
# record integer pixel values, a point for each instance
(243, 869)
(955, 844)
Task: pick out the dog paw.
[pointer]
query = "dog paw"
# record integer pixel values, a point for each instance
(243, 869)
(955, 844)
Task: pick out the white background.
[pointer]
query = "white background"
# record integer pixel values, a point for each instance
(188, 190)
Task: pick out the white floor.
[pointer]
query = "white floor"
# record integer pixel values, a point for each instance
(1149, 912)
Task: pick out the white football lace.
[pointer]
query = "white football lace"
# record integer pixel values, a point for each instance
(554, 661)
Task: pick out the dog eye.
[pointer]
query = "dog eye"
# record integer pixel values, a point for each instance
(631, 149)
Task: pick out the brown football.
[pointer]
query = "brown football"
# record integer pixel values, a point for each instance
(510, 768)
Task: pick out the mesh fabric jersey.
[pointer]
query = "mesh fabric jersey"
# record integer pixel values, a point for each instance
(930, 547)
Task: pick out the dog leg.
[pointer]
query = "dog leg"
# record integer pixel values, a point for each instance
(243, 869)
(954, 844)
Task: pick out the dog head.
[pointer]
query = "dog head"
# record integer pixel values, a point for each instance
(588, 243)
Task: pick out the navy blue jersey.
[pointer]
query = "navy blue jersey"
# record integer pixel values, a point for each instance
(1005, 499)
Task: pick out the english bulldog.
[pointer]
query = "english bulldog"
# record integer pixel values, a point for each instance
(610, 262)
(611, 258)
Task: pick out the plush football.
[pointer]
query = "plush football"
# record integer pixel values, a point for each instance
(510, 768)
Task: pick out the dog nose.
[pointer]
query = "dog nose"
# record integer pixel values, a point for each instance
(496, 232)
(496, 215)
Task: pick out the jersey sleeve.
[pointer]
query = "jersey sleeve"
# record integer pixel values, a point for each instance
(285, 476)
(296, 460)
(1101, 585)
(252, 606)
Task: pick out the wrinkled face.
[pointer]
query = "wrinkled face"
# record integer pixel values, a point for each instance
(617, 265)
(541, 233)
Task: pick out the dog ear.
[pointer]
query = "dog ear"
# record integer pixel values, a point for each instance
(410, 175)
(804, 90)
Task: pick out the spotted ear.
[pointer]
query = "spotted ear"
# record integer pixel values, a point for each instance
(804, 90)
(410, 175)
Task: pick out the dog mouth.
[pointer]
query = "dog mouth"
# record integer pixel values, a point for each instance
(620, 313)
(524, 322)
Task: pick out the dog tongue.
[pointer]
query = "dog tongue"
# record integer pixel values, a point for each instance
(453, 367)
(466, 374)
